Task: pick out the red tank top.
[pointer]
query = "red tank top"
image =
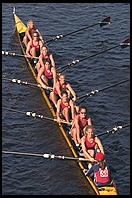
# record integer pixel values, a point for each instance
(64, 106)
(88, 144)
(46, 57)
(61, 87)
(49, 74)
(82, 123)
(37, 47)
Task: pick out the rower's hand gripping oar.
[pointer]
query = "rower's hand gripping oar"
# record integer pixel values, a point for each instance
(47, 156)
(20, 82)
(93, 92)
(102, 23)
(74, 62)
(114, 130)
(14, 54)
(35, 115)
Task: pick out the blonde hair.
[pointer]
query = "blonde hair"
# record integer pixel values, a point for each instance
(88, 127)
(30, 21)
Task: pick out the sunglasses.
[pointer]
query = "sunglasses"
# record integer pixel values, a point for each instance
(83, 112)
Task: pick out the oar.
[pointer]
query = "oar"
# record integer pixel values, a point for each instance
(20, 82)
(74, 62)
(99, 90)
(14, 54)
(114, 130)
(47, 155)
(102, 23)
(35, 115)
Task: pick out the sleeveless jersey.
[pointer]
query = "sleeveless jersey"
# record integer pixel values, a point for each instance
(89, 145)
(61, 87)
(64, 106)
(47, 56)
(49, 74)
(37, 47)
(82, 123)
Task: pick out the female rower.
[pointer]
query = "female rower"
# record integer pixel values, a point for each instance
(34, 46)
(91, 144)
(29, 32)
(44, 54)
(79, 123)
(66, 107)
(60, 86)
(47, 74)
(100, 171)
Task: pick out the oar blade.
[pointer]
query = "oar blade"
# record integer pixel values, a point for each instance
(125, 43)
(105, 21)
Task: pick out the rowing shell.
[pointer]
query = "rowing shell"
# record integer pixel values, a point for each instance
(106, 190)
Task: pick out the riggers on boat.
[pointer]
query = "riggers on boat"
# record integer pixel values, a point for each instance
(93, 189)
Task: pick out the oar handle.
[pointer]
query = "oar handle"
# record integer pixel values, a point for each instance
(20, 82)
(35, 115)
(14, 54)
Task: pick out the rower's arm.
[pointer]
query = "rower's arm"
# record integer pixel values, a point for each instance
(39, 78)
(89, 121)
(97, 140)
(40, 36)
(58, 111)
(41, 61)
(86, 154)
(72, 92)
(58, 88)
(28, 49)
(72, 109)
(28, 35)
(77, 129)
(52, 60)
(41, 44)
(54, 75)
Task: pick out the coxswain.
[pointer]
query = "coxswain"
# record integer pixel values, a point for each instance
(47, 74)
(34, 46)
(29, 32)
(60, 86)
(91, 144)
(100, 171)
(44, 54)
(81, 120)
(66, 107)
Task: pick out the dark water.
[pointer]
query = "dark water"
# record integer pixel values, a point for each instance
(23, 175)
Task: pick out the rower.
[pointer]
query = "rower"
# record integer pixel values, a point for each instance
(60, 86)
(91, 144)
(34, 46)
(47, 74)
(44, 54)
(29, 32)
(100, 171)
(66, 107)
(81, 120)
